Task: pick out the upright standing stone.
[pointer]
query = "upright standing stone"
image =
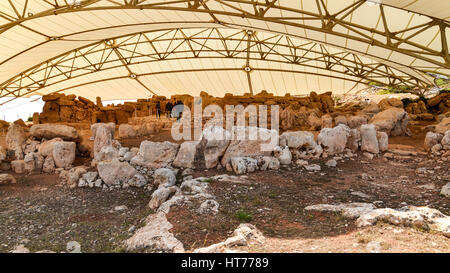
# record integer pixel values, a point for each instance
(215, 141)
(15, 139)
(369, 141)
(383, 141)
(103, 137)
(334, 140)
(64, 153)
(190, 155)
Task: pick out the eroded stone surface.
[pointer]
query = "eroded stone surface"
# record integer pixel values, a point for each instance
(50, 131)
(244, 235)
(155, 236)
(64, 153)
(250, 146)
(15, 139)
(420, 217)
(350, 210)
(7, 179)
(334, 140)
(369, 141)
(156, 154)
(115, 172)
(393, 121)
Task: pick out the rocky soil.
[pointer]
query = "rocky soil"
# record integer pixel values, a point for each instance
(41, 215)
(38, 213)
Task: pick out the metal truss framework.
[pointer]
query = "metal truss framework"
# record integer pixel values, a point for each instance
(337, 23)
(207, 43)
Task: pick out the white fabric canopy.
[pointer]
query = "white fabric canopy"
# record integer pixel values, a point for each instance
(117, 49)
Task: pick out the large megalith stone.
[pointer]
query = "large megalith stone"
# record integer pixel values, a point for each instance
(190, 155)
(327, 121)
(64, 153)
(107, 153)
(383, 141)
(369, 141)
(393, 121)
(111, 126)
(50, 131)
(46, 147)
(115, 173)
(250, 142)
(215, 141)
(354, 140)
(334, 140)
(15, 139)
(103, 137)
(341, 120)
(356, 121)
(242, 165)
(298, 140)
(283, 155)
(18, 166)
(156, 154)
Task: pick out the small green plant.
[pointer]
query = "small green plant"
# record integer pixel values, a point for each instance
(337, 99)
(395, 89)
(442, 83)
(30, 119)
(207, 180)
(243, 216)
(339, 216)
(384, 92)
(273, 196)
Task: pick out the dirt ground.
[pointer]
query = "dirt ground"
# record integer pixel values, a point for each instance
(43, 215)
(274, 202)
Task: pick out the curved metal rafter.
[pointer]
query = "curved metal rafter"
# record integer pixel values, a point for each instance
(337, 23)
(200, 44)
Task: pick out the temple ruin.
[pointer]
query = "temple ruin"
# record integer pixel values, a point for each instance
(224, 126)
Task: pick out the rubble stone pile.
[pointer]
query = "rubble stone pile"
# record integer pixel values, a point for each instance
(43, 148)
(438, 144)
(157, 163)
(47, 147)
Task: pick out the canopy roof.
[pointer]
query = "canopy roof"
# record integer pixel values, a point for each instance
(127, 49)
